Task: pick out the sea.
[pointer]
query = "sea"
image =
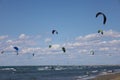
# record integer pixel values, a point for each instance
(56, 72)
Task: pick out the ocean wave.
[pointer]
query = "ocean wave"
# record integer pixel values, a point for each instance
(84, 77)
(117, 70)
(94, 71)
(51, 68)
(8, 69)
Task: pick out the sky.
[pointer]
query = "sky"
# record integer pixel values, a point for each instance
(28, 24)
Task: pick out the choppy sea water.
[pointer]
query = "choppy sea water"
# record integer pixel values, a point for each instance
(54, 72)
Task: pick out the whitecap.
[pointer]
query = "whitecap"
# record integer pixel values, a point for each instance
(8, 69)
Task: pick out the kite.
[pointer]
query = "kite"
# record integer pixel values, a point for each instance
(54, 31)
(63, 49)
(33, 54)
(104, 17)
(2, 52)
(92, 52)
(16, 48)
(50, 46)
(100, 31)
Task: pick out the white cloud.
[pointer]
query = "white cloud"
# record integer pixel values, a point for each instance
(83, 51)
(3, 37)
(89, 37)
(82, 44)
(111, 33)
(114, 42)
(22, 40)
(55, 46)
(47, 40)
(97, 42)
(96, 36)
(23, 36)
(104, 49)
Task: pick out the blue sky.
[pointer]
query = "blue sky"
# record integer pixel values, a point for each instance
(28, 25)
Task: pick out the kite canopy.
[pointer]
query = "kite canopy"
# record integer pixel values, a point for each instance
(92, 52)
(54, 31)
(33, 54)
(104, 17)
(63, 49)
(2, 52)
(50, 46)
(100, 31)
(16, 48)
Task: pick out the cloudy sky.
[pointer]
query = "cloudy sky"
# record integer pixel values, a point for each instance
(28, 24)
